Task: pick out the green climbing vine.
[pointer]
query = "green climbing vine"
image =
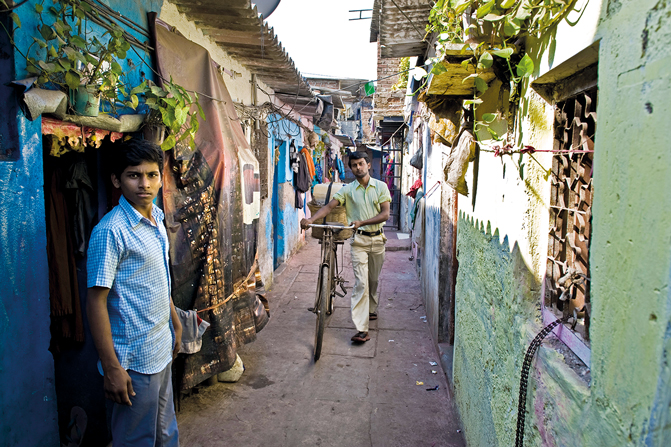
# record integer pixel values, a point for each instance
(492, 32)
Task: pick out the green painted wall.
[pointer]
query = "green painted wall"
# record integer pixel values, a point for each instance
(628, 400)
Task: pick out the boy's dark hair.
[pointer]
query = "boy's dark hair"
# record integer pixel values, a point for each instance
(358, 155)
(133, 152)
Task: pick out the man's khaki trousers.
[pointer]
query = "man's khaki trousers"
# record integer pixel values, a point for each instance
(367, 260)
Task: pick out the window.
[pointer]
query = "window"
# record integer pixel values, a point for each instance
(567, 286)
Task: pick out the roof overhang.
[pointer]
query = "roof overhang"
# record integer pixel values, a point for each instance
(401, 27)
(235, 25)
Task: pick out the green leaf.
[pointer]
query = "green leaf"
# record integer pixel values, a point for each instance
(525, 67)
(47, 32)
(65, 63)
(481, 84)
(134, 101)
(40, 42)
(472, 75)
(52, 52)
(504, 53)
(438, 69)
(200, 111)
(139, 89)
(78, 42)
(38, 8)
(168, 143)
(79, 13)
(486, 60)
(510, 28)
(493, 133)
(505, 4)
(158, 91)
(460, 7)
(473, 101)
(116, 68)
(488, 117)
(16, 19)
(492, 18)
(72, 79)
(32, 69)
(464, 64)
(485, 9)
(170, 101)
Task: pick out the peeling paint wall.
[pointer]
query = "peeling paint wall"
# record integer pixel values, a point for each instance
(502, 246)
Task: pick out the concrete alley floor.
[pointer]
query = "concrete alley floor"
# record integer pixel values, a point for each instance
(355, 395)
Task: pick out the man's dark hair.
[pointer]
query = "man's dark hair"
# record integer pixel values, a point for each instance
(358, 155)
(133, 152)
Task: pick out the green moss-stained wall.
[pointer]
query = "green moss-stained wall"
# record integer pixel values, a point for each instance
(502, 248)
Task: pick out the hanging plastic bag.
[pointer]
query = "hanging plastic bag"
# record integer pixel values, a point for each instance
(417, 160)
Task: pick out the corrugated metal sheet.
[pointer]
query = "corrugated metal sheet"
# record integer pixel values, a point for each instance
(401, 26)
(236, 26)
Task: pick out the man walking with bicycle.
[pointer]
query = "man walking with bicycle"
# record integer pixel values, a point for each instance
(366, 202)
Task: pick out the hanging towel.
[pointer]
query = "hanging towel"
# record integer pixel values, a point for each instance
(193, 328)
(310, 163)
(341, 169)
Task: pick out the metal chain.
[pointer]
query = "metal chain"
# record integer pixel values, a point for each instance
(531, 351)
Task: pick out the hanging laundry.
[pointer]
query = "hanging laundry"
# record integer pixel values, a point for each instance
(462, 153)
(82, 202)
(302, 180)
(413, 189)
(66, 316)
(341, 169)
(310, 164)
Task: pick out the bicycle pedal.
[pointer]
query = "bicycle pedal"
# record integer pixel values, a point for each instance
(311, 309)
(339, 294)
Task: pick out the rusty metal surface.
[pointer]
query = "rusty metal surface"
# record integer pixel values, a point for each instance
(568, 270)
(236, 26)
(401, 26)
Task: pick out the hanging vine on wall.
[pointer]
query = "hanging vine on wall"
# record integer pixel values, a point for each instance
(493, 31)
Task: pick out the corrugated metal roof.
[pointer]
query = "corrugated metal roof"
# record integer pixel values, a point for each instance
(236, 26)
(401, 26)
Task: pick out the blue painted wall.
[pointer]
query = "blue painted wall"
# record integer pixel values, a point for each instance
(28, 401)
(287, 235)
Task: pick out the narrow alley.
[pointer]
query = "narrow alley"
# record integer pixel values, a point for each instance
(380, 393)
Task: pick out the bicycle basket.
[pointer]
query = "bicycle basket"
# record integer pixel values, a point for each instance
(336, 216)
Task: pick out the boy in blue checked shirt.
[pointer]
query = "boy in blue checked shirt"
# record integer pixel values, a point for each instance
(133, 321)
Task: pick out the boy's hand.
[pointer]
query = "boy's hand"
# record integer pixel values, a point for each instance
(118, 386)
(178, 342)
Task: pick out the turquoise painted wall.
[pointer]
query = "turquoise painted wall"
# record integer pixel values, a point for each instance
(287, 235)
(625, 399)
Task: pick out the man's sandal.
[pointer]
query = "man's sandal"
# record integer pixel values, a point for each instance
(372, 316)
(361, 337)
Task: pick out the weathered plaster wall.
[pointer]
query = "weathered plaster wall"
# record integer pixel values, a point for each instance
(239, 86)
(502, 247)
(289, 237)
(632, 222)
(27, 395)
(432, 173)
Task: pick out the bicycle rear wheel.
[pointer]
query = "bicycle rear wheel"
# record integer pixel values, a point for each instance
(322, 307)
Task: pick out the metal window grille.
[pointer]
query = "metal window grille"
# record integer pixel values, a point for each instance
(567, 291)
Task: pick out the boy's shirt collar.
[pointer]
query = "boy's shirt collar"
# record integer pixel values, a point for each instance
(134, 216)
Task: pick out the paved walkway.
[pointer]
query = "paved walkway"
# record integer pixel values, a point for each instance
(355, 395)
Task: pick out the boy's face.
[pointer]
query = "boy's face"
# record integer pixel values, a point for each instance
(139, 184)
(359, 167)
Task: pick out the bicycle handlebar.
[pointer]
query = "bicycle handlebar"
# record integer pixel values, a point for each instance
(333, 227)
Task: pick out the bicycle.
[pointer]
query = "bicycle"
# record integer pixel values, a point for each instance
(329, 277)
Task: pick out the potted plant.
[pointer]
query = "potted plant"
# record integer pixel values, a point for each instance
(66, 55)
(172, 112)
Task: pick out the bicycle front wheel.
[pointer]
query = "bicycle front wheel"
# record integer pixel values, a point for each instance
(322, 307)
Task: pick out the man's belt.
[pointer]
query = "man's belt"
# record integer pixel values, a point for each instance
(369, 233)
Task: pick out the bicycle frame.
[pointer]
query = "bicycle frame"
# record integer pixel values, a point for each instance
(329, 276)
